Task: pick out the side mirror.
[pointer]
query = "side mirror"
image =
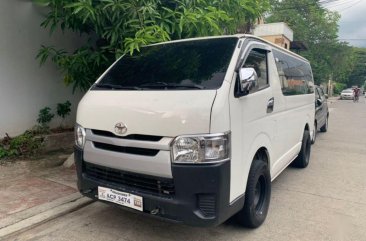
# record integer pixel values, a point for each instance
(326, 96)
(319, 102)
(248, 79)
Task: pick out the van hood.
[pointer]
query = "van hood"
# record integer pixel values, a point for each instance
(159, 113)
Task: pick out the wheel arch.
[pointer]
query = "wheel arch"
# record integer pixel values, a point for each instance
(307, 128)
(261, 147)
(262, 154)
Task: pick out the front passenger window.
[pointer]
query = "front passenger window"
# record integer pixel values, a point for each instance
(257, 59)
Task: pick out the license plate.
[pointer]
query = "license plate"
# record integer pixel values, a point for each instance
(121, 198)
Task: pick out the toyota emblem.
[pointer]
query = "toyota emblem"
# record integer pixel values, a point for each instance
(120, 128)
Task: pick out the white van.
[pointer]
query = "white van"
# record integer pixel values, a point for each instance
(195, 130)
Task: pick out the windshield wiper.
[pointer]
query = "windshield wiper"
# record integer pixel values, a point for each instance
(155, 84)
(199, 87)
(116, 87)
(169, 86)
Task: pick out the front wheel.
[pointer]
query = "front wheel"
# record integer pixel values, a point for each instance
(257, 195)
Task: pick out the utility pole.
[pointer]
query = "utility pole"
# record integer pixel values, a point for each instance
(330, 86)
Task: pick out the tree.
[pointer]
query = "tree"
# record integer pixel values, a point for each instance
(117, 27)
(358, 75)
(317, 27)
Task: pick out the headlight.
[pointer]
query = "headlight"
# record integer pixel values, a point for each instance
(201, 149)
(79, 136)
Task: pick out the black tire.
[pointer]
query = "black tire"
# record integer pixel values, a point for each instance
(302, 160)
(314, 134)
(257, 195)
(324, 128)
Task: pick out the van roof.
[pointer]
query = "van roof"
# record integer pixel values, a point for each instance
(239, 36)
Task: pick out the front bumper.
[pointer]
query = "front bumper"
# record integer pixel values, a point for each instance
(201, 193)
(346, 97)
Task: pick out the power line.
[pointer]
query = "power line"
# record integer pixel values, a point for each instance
(328, 1)
(308, 5)
(340, 3)
(342, 10)
(336, 4)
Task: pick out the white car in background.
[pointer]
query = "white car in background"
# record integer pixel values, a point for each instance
(347, 94)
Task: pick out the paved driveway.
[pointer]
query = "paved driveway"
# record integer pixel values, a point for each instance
(326, 201)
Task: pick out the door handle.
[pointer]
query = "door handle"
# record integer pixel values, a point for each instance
(270, 105)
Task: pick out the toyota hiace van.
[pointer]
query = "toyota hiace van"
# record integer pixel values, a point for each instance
(196, 130)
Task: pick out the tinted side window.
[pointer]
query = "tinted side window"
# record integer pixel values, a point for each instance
(295, 75)
(257, 59)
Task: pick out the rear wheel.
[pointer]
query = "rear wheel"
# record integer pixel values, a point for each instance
(257, 195)
(302, 160)
(324, 128)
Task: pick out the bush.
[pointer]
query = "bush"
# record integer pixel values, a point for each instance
(44, 117)
(338, 87)
(25, 145)
(63, 110)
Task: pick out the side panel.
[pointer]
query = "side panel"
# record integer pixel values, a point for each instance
(291, 124)
(296, 112)
(251, 128)
(280, 131)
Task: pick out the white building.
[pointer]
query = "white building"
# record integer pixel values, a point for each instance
(25, 86)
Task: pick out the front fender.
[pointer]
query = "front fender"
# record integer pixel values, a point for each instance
(262, 140)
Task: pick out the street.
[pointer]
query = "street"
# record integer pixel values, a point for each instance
(326, 201)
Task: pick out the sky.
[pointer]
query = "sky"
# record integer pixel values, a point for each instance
(352, 25)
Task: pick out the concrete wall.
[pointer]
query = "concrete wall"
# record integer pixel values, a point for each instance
(25, 87)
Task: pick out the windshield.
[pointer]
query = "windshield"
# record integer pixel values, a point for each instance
(347, 91)
(199, 64)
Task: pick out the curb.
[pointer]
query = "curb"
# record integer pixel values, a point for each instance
(27, 219)
(69, 162)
